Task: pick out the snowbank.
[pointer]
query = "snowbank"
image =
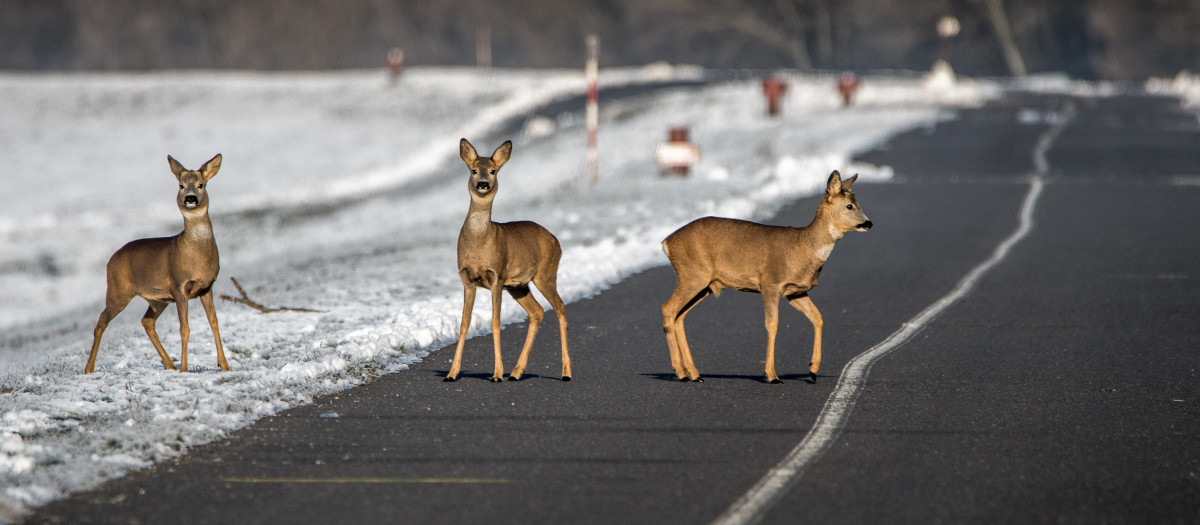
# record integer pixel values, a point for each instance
(1185, 85)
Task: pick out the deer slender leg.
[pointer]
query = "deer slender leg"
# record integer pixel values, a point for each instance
(497, 297)
(804, 303)
(525, 298)
(685, 350)
(468, 308)
(206, 301)
(549, 289)
(771, 310)
(686, 296)
(156, 309)
(114, 303)
(181, 306)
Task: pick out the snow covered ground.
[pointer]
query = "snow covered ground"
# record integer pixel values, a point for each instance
(1185, 85)
(342, 193)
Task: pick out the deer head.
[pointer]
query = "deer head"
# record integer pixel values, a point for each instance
(842, 207)
(483, 182)
(192, 198)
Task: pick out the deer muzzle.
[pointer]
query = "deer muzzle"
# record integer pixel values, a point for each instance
(191, 201)
(863, 226)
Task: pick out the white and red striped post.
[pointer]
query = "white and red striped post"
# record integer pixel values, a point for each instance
(593, 107)
(395, 63)
(483, 44)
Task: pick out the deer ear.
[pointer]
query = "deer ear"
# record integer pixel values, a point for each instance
(176, 167)
(502, 153)
(209, 169)
(847, 183)
(834, 186)
(467, 151)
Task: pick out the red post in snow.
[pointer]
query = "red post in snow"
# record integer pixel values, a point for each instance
(773, 88)
(395, 63)
(847, 86)
(678, 154)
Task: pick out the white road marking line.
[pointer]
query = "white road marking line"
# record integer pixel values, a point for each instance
(751, 507)
(1184, 180)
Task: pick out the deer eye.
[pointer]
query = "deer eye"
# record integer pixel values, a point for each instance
(849, 206)
(474, 172)
(181, 186)
(201, 186)
(491, 172)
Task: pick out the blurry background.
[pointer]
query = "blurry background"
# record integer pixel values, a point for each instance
(1087, 39)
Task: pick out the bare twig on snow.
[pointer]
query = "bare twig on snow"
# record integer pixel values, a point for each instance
(245, 299)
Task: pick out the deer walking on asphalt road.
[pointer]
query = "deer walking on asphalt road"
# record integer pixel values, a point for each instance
(503, 256)
(712, 253)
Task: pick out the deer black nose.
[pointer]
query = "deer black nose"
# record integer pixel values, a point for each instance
(191, 199)
(865, 226)
(483, 185)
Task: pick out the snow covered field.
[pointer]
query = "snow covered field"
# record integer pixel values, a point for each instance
(1184, 85)
(342, 193)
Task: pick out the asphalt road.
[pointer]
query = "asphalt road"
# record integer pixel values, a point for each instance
(1064, 387)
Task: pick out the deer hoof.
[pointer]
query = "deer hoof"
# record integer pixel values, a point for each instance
(813, 377)
(514, 378)
(497, 379)
(566, 378)
(776, 381)
(449, 379)
(698, 380)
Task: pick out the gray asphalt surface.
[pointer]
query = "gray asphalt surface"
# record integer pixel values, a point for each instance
(1064, 388)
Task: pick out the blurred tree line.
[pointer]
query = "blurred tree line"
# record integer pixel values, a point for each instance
(1104, 39)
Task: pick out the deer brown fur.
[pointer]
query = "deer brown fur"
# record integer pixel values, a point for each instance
(167, 270)
(712, 253)
(503, 256)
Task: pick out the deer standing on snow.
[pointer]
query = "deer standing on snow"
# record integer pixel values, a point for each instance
(503, 256)
(166, 270)
(712, 253)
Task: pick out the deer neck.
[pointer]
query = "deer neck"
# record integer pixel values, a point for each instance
(479, 218)
(477, 240)
(196, 248)
(822, 234)
(197, 229)
(823, 227)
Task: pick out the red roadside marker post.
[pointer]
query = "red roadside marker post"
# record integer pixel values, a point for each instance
(677, 154)
(847, 87)
(773, 89)
(395, 63)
